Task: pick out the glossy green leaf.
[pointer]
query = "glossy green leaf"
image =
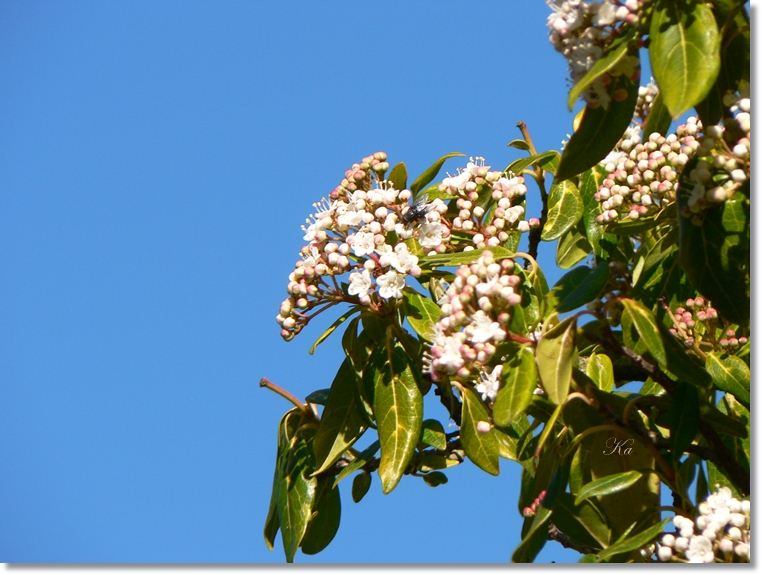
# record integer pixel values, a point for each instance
(463, 258)
(606, 485)
(658, 120)
(422, 314)
(398, 176)
(435, 478)
(545, 160)
(564, 209)
(601, 371)
(519, 144)
(599, 131)
(589, 182)
(326, 517)
(717, 250)
(556, 356)
(581, 522)
(398, 406)
(353, 310)
(360, 486)
(518, 381)
(272, 523)
(433, 434)
(480, 448)
(358, 462)
(612, 56)
(341, 424)
(631, 227)
(318, 397)
(634, 542)
(685, 53)
(684, 418)
(588, 289)
(730, 374)
(572, 248)
(430, 173)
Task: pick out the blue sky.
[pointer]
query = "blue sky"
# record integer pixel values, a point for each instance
(156, 163)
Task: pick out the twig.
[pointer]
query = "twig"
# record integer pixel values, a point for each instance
(556, 535)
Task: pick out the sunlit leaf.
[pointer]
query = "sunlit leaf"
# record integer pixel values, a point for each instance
(481, 448)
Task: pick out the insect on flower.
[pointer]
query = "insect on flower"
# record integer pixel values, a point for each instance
(416, 214)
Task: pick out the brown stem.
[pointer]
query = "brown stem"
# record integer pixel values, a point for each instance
(264, 382)
(556, 535)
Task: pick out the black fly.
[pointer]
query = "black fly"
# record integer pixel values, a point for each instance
(416, 214)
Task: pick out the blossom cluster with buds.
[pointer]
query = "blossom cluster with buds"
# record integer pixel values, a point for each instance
(582, 31)
(489, 227)
(698, 321)
(358, 231)
(721, 532)
(476, 315)
(724, 157)
(642, 176)
(531, 510)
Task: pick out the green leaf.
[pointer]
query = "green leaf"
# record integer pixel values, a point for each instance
(482, 449)
(272, 523)
(318, 397)
(581, 522)
(398, 176)
(463, 258)
(637, 541)
(572, 248)
(341, 424)
(520, 144)
(586, 291)
(326, 517)
(685, 53)
(358, 462)
(730, 374)
(433, 434)
(613, 55)
(518, 381)
(333, 326)
(556, 356)
(422, 314)
(545, 160)
(606, 485)
(599, 130)
(658, 120)
(535, 540)
(590, 181)
(360, 486)
(601, 371)
(564, 209)
(632, 227)
(435, 478)
(430, 173)
(684, 418)
(716, 251)
(398, 406)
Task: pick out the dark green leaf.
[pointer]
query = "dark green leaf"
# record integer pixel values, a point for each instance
(535, 540)
(272, 523)
(684, 418)
(518, 381)
(600, 130)
(365, 456)
(546, 160)
(564, 209)
(433, 434)
(637, 541)
(685, 53)
(422, 313)
(480, 448)
(730, 374)
(631, 227)
(581, 522)
(430, 173)
(398, 406)
(572, 248)
(435, 478)
(360, 486)
(318, 397)
(590, 288)
(326, 517)
(332, 327)
(341, 424)
(556, 356)
(658, 120)
(398, 176)
(609, 484)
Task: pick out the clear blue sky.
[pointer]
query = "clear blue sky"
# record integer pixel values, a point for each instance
(156, 162)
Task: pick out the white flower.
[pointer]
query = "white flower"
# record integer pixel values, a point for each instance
(699, 550)
(665, 553)
(489, 383)
(449, 356)
(312, 257)
(359, 283)
(390, 285)
(458, 182)
(606, 15)
(363, 244)
(484, 329)
(402, 260)
(686, 527)
(430, 234)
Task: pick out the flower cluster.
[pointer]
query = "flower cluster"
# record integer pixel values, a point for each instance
(724, 157)
(721, 531)
(698, 321)
(582, 31)
(358, 231)
(476, 315)
(642, 176)
(474, 187)
(531, 511)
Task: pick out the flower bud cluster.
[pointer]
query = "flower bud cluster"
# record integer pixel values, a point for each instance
(490, 227)
(721, 531)
(698, 321)
(642, 176)
(476, 315)
(646, 96)
(725, 157)
(532, 509)
(357, 231)
(582, 31)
